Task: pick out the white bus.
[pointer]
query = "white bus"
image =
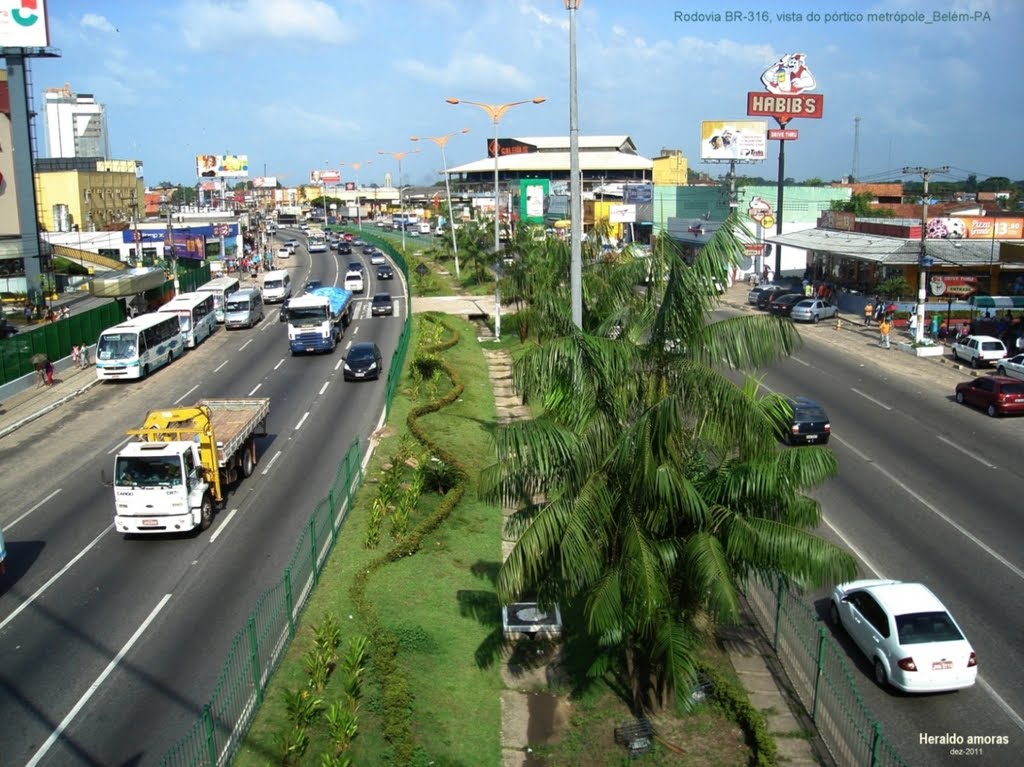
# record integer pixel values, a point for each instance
(316, 242)
(137, 347)
(196, 316)
(221, 288)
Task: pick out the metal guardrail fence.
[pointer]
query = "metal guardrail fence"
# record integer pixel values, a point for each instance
(822, 679)
(215, 738)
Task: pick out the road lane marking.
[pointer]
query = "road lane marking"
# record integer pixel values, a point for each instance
(805, 364)
(279, 364)
(186, 394)
(53, 578)
(222, 525)
(55, 735)
(302, 420)
(850, 545)
(324, 388)
(869, 398)
(117, 447)
(242, 347)
(276, 456)
(1014, 716)
(934, 510)
(968, 453)
(29, 511)
(338, 364)
(255, 389)
(217, 369)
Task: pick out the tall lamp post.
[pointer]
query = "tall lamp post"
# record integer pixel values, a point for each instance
(441, 141)
(355, 166)
(496, 112)
(575, 185)
(401, 207)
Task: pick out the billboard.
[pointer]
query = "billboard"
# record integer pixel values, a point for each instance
(222, 165)
(533, 195)
(264, 182)
(622, 214)
(975, 228)
(324, 176)
(733, 140)
(509, 146)
(25, 25)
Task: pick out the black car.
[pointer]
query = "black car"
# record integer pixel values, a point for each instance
(282, 316)
(362, 361)
(765, 297)
(385, 272)
(784, 304)
(367, 249)
(344, 249)
(355, 266)
(382, 303)
(312, 285)
(807, 424)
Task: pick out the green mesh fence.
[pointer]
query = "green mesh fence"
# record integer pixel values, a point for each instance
(820, 674)
(260, 644)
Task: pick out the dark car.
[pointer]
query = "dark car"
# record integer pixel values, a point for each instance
(344, 249)
(807, 423)
(382, 303)
(385, 272)
(7, 329)
(765, 297)
(784, 304)
(282, 315)
(362, 361)
(368, 249)
(996, 395)
(312, 285)
(355, 266)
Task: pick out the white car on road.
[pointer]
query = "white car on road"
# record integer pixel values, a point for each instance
(354, 281)
(1012, 367)
(907, 635)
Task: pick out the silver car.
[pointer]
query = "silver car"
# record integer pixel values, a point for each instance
(813, 310)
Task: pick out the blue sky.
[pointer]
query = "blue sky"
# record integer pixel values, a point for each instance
(299, 85)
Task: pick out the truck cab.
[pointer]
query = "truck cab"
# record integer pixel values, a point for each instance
(151, 477)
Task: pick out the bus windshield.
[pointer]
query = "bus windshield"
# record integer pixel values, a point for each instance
(116, 346)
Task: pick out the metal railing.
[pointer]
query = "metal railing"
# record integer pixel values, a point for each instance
(822, 679)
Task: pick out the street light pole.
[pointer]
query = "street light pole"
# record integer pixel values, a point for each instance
(401, 206)
(575, 185)
(442, 141)
(496, 112)
(922, 285)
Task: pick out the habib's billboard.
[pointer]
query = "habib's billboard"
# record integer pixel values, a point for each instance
(785, 95)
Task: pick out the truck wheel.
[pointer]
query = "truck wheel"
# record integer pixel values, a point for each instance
(249, 460)
(206, 513)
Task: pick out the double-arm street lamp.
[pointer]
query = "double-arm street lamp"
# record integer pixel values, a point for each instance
(401, 208)
(441, 141)
(355, 166)
(496, 112)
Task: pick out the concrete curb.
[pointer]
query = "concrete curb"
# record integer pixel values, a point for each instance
(47, 409)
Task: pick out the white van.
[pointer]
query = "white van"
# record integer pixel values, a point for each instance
(277, 286)
(243, 308)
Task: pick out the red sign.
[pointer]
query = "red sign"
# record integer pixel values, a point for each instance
(785, 108)
(952, 287)
(753, 248)
(509, 146)
(783, 134)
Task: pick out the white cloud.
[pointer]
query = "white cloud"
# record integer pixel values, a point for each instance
(99, 23)
(544, 18)
(217, 23)
(473, 70)
(305, 124)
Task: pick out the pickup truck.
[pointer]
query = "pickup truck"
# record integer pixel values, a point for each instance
(317, 320)
(170, 477)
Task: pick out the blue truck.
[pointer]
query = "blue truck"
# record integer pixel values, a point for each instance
(317, 320)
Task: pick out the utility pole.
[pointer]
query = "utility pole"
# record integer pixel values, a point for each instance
(923, 262)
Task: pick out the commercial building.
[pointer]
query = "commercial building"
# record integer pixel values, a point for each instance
(88, 194)
(75, 124)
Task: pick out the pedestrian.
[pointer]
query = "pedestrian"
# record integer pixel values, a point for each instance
(85, 355)
(883, 332)
(869, 312)
(912, 325)
(935, 325)
(764, 276)
(49, 373)
(65, 312)
(28, 314)
(76, 356)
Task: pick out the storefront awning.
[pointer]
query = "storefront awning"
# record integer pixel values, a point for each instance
(998, 302)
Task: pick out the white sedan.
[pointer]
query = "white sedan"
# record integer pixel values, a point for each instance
(377, 258)
(812, 310)
(1012, 367)
(911, 640)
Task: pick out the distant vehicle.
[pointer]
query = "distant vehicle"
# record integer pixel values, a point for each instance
(784, 304)
(283, 254)
(137, 347)
(979, 350)
(996, 395)
(277, 285)
(385, 272)
(808, 423)
(765, 297)
(812, 310)
(220, 288)
(906, 634)
(244, 308)
(756, 291)
(316, 242)
(382, 304)
(282, 316)
(368, 249)
(317, 320)
(196, 315)
(377, 258)
(312, 285)
(363, 361)
(1012, 367)
(354, 282)
(344, 249)
(355, 266)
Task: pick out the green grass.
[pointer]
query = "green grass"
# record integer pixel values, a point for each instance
(438, 604)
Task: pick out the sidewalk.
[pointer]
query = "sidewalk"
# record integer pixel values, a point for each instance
(23, 401)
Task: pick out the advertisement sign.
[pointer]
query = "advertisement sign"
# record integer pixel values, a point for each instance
(222, 165)
(783, 134)
(23, 24)
(622, 214)
(787, 82)
(324, 176)
(264, 182)
(533, 196)
(948, 286)
(350, 186)
(733, 140)
(160, 235)
(187, 245)
(638, 194)
(507, 146)
(975, 228)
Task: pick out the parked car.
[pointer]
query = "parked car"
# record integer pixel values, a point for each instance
(996, 395)
(808, 423)
(385, 272)
(363, 360)
(979, 350)
(1012, 367)
(812, 310)
(765, 297)
(906, 633)
(381, 304)
(784, 304)
(757, 290)
(377, 258)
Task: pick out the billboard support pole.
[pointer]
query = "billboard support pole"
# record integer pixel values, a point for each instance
(781, 195)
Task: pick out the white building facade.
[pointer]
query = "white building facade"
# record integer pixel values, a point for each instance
(75, 124)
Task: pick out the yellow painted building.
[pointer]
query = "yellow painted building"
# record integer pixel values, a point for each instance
(670, 169)
(98, 194)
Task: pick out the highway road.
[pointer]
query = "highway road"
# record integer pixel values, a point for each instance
(930, 491)
(110, 647)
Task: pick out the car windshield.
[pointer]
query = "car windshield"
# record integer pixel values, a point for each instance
(360, 354)
(924, 628)
(382, 298)
(236, 306)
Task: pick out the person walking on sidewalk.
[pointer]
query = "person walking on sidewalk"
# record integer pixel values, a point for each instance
(869, 312)
(883, 332)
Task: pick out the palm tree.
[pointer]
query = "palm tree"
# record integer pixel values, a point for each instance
(651, 487)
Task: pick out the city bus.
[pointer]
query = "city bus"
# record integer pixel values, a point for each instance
(138, 346)
(316, 242)
(221, 288)
(196, 316)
